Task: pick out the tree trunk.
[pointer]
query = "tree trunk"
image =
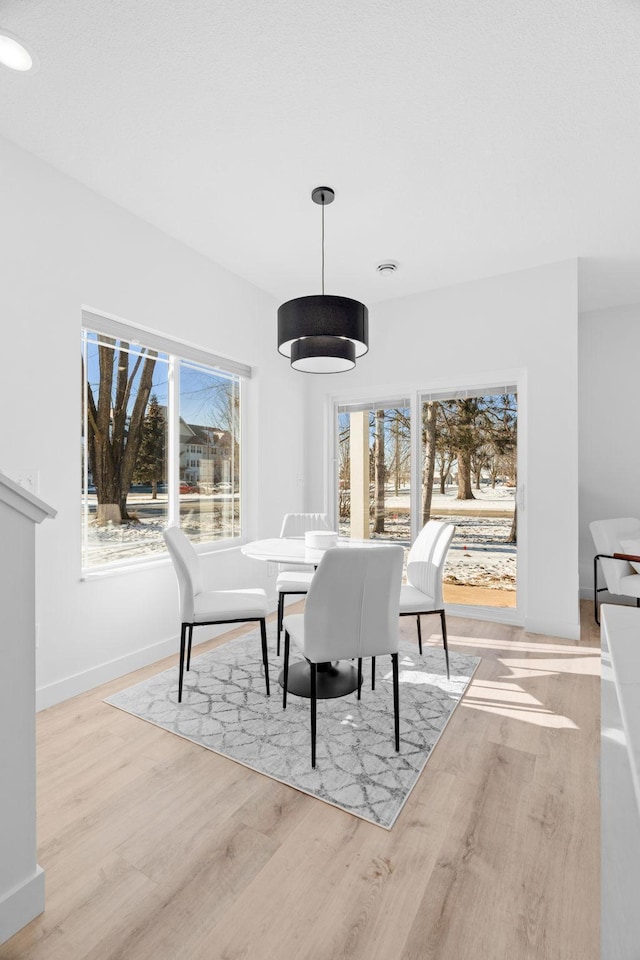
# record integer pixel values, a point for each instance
(113, 442)
(429, 460)
(134, 432)
(513, 533)
(108, 513)
(378, 526)
(396, 456)
(154, 489)
(464, 476)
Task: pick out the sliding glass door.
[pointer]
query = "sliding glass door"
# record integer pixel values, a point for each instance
(374, 470)
(449, 456)
(469, 477)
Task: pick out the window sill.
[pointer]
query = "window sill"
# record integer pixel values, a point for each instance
(150, 563)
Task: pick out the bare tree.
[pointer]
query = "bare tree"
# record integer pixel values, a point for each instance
(445, 456)
(379, 475)
(114, 423)
(429, 425)
(344, 469)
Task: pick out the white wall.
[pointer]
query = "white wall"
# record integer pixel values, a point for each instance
(522, 324)
(609, 352)
(62, 246)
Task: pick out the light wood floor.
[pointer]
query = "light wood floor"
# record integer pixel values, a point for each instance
(156, 849)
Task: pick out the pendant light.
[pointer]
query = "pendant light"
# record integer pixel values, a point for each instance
(323, 333)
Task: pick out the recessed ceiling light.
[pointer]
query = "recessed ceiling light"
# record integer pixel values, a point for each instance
(14, 52)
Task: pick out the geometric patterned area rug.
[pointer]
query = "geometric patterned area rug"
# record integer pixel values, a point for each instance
(225, 709)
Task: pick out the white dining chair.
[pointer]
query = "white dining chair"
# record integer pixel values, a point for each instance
(422, 594)
(201, 607)
(617, 544)
(351, 612)
(292, 578)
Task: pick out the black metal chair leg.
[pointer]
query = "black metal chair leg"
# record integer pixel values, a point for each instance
(183, 634)
(314, 708)
(444, 639)
(373, 673)
(419, 635)
(280, 616)
(359, 678)
(595, 590)
(396, 699)
(265, 658)
(189, 646)
(285, 671)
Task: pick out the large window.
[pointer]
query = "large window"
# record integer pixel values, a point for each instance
(160, 443)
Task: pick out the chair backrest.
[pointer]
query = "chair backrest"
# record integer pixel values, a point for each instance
(607, 535)
(297, 524)
(187, 567)
(425, 563)
(352, 606)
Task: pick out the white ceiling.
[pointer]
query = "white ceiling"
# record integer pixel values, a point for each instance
(463, 138)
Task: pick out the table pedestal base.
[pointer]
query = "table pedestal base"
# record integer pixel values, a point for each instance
(332, 679)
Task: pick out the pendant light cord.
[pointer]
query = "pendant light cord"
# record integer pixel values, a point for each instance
(323, 245)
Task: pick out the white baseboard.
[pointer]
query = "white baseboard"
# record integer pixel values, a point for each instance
(553, 628)
(20, 905)
(492, 614)
(52, 693)
(508, 615)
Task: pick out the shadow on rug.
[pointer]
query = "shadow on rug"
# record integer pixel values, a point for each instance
(224, 708)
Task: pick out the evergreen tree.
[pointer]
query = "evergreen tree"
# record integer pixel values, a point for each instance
(150, 465)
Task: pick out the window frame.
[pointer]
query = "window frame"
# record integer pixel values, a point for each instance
(417, 393)
(176, 352)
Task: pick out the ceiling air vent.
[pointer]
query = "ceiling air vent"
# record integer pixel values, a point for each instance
(387, 267)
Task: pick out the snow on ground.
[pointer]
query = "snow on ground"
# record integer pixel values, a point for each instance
(480, 553)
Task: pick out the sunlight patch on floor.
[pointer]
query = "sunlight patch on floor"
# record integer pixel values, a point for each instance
(505, 692)
(581, 664)
(614, 735)
(513, 701)
(539, 717)
(517, 646)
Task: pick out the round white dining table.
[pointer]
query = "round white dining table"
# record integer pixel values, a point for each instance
(283, 550)
(335, 679)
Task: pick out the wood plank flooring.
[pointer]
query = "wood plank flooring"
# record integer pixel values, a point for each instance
(156, 849)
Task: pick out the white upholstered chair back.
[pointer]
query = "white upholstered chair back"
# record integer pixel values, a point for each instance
(425, 563)
(297, 524)
(353, 603)
(607, 535)
(187, 567)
